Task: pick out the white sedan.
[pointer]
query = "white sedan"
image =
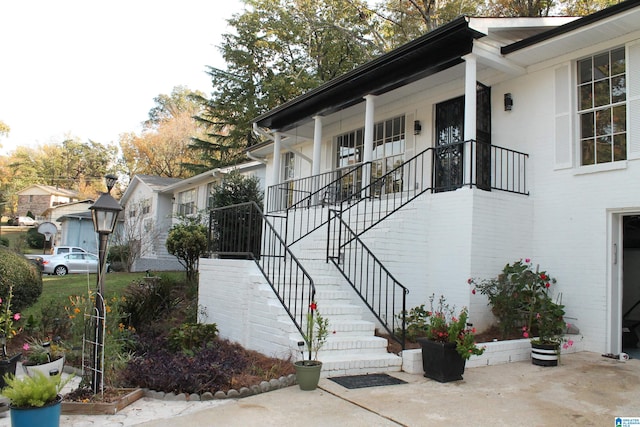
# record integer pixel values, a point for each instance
(71, 263)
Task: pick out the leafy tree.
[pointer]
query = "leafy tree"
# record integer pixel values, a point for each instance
(235, 189)
(239, 226)
(187, 241)
(519, 7)
(162, 148)
(402, 21)
(585, 7)
(71, 164)
(279, 49)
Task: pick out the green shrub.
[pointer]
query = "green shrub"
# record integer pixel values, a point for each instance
(26, 279)
(35, 240)
(192, 336)
(149, 299)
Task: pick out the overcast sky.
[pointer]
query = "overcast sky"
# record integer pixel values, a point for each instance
(90, 69)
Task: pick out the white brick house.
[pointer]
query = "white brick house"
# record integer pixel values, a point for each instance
(477, 144)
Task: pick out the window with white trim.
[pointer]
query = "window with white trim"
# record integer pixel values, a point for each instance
(388, 150)
(602, 107)
(187, 202)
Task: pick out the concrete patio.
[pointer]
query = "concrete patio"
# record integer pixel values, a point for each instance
(587, 389)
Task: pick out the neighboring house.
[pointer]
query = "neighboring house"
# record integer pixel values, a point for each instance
(147, 219)
(55, 213)
(38, 198)
(76, 229)
(192, 195)
(153, 203)
(482, 142)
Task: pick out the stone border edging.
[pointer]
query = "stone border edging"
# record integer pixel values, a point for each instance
(263, 387)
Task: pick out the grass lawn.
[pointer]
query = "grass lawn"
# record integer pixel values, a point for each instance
(59, 288)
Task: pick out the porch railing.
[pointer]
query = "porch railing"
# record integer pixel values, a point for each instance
(311, 191)
(340, 187)
(243, 231)
(376, 286)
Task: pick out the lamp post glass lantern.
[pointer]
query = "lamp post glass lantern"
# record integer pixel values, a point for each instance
(104, 213)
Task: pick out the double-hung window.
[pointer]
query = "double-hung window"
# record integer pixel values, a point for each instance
(602, 107)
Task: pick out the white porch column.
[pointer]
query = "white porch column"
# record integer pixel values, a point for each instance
(367, 156)
(370, 108)
(470, 79)
(277, 138)
(317, 145)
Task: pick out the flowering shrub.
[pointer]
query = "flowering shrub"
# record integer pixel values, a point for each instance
(520, 297)
(441, 324)
(316, 331)
(7, 319)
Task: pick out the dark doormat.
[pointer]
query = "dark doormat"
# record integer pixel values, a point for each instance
(371, 380)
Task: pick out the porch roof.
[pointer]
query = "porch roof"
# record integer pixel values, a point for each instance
(433, 52)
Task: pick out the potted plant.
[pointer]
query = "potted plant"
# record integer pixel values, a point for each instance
(44, 356)
(35, 400)
(315, 336)
(448, 341)
(7, 331)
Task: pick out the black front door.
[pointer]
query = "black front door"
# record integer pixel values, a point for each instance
(449, 146)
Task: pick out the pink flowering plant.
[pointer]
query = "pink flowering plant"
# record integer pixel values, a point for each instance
(443, 325)
(7, 319)
(520, 297)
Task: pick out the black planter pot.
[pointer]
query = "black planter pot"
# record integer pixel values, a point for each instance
(441, 361)
(545, 354)
(8, 366)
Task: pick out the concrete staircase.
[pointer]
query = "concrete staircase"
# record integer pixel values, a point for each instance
(353, 348)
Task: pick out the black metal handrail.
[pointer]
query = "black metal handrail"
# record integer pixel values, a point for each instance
(370, 279)
(243, 231)
(345, 188)
(304, 192)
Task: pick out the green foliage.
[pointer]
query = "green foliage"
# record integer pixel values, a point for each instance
(4, 241)
(316, 331)
(416, 323)
(442, 324)
(25, 277)
(53, 320)
(235, 189)
(192, 336)
(520, 297)
(188, 242)
(118, 256)
(38, 352)
(33, 391)
(35, 240)
(149, 299)
(277, 51)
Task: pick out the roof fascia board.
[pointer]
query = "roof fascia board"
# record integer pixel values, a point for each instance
(572, 26)
(350, 79)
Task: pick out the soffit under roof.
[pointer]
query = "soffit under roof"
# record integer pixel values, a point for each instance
(607, 24)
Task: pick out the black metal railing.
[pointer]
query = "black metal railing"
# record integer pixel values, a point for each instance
(243, 231)
(344, 189)
(376, 286)
(311, 191)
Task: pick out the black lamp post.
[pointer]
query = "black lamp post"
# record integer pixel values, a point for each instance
(104, 212)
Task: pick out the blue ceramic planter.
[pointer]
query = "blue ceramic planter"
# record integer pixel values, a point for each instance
(46, 416)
